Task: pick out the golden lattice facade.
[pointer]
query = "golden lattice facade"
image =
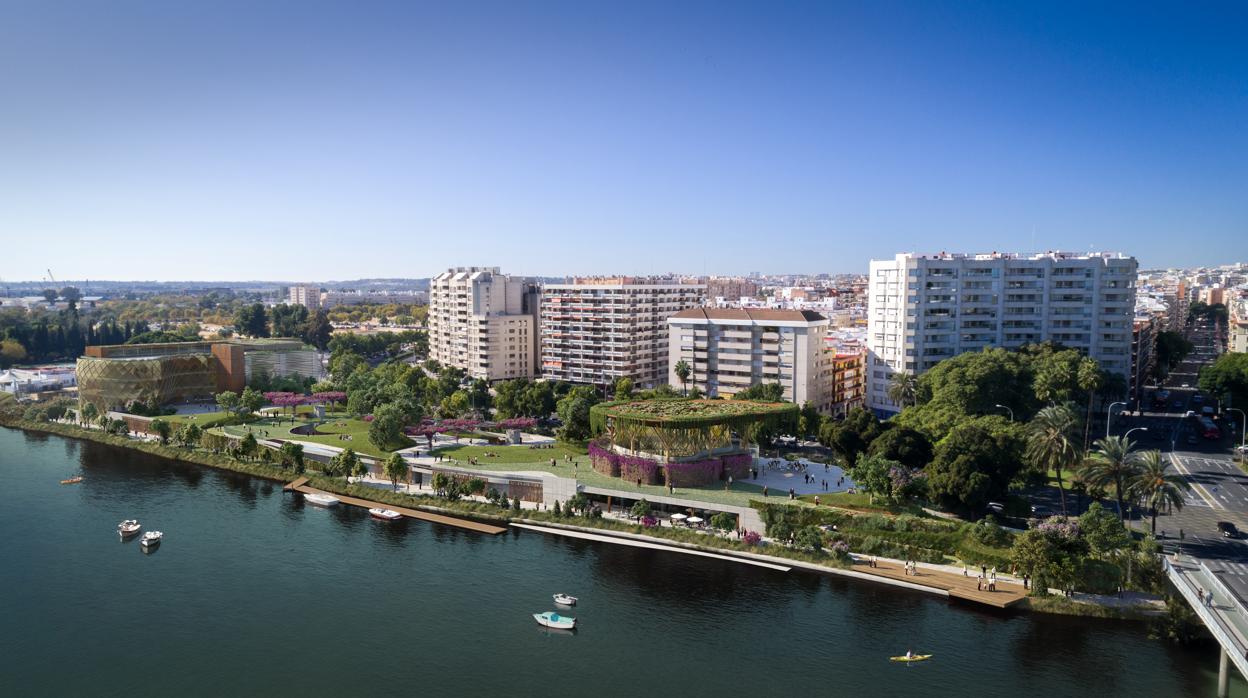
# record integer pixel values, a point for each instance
(113, 383)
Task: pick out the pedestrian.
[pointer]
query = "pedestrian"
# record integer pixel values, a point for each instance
(792, 494)
(1026, 581)
(764, 490)
(816, 500)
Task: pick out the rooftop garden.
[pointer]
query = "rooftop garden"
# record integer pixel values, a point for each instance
(682, 413)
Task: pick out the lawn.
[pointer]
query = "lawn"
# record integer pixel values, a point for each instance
(204, 420)
(513, 458)
(860, 502)
(331, 430)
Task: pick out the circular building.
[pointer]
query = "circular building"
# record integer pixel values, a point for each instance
(681, 442)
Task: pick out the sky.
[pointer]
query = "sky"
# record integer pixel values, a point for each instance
(336, 140)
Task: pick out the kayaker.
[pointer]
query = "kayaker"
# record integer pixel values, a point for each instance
(909, 654)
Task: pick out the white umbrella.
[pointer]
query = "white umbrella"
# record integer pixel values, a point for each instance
(694, 519)
(678, 517)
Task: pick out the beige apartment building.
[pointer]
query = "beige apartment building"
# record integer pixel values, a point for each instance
(308, 296)
(731, 349)
(484, 322)
(597, 330)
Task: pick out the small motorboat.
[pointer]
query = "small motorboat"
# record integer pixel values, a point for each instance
(551, 619)
(72, 480)
(384, 514)
(320, 500)
(911, 658)
(151, 539)
(565, 600)
(128, 528)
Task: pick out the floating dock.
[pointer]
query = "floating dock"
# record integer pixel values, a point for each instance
(466, 524)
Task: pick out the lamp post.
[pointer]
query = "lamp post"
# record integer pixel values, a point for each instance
(1243, 430)
(1109, 415)
(1128, 434)
(1007, 410)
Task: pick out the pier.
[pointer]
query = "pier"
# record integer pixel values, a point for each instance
(466, 524)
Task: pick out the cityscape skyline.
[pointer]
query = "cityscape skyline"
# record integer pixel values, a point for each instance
(612, 140)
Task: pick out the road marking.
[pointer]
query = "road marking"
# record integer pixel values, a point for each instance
(1178, 464)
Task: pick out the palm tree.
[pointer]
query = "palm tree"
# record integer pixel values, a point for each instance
(1155, 487)
(903, 388)
(1088, 377)
(1112, 464)
(683, 371)
(1049, 443)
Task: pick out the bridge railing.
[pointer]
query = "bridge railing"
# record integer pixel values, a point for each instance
(1224, 632)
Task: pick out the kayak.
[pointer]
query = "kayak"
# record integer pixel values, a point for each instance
(913, 658)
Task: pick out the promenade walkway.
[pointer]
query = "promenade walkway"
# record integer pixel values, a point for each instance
(955, 584)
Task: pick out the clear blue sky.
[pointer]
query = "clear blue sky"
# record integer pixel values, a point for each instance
(312, 140)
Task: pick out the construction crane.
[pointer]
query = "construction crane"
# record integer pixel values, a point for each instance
(50, 277)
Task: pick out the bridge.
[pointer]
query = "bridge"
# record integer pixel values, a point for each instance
(1219, 607)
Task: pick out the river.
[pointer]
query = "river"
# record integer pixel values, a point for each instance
(255, 593)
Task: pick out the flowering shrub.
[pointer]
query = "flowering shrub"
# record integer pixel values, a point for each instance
(699, 472)
(738, 465)
(751, 538)
(368, 417)
(632, 468)
(1058, 527)
(840, 550)
(517, 423)
(649, 522)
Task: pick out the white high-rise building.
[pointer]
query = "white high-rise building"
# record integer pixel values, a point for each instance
(484, 322)
(731, 349)
(308, 296)
(926, 308)
(599, 329)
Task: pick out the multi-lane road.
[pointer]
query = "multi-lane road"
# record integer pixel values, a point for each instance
(1219, 486)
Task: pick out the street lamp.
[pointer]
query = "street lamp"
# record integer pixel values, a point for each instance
(1007, 410)
(1243, 430)
(1109, 415)
(1128, 434)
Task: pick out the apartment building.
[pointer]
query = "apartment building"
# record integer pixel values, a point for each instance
(308, 296)
(731, 349)
(1237, 324)
(484, 322)
(597, 330)
(926, 308)
(1143, 361)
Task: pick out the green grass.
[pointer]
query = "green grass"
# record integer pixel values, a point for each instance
(331, 430)
(205, 420)
(515, 454)
(860, 502)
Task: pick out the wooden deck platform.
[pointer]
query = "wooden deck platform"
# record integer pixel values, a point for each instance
(294, 486)
(958, 586)
(299, 486)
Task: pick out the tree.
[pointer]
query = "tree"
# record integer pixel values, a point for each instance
(873, 475)
(395, 469)
(903, 388)
(966, 386)
(851, 436)
(318, 330)
(356, 467)
(479, 396)
(906, 446)
(1112, 464)
(252, 320)
(454, 405)
(1049, 555)
(809, 537)
(640, 510)
(71, 295)
(251, 400)
(623, 388)
(808, 420)
(1102, 531)
(762, 392)
(163, 429)
(573, 410)
(724, 521)
(1155, 487)
(50, 295)
(291, 453)
(90, 413)
(386, 430)
(1227, 378)
(683, 371)
(228, 401)
(975, 463)
(1050, 445)
(1089, 377)
(248, 446)
(1170, 349)
(188, 434)
(11, 352)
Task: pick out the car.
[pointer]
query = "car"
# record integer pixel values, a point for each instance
(1189, 413)
(996, 507)
(1241, 449)
(1226, 528)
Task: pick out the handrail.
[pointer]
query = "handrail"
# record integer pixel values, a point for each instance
(1226, 590)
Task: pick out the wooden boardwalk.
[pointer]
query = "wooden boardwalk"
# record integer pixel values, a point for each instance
(958, 586)
(299, 486)
(294, 486)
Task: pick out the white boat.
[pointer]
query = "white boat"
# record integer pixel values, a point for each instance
(565, 600)
(320, 500)
(384, 514)
(128, 528)
(151, 539)
(550, 619)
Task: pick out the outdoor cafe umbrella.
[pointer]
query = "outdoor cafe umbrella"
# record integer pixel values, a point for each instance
(694, 520)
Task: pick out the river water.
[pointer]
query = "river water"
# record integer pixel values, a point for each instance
(255, 593)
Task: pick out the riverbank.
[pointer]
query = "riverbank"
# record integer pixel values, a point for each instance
(816, 561)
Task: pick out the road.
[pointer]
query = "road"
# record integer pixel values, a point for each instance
(1219, 486)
